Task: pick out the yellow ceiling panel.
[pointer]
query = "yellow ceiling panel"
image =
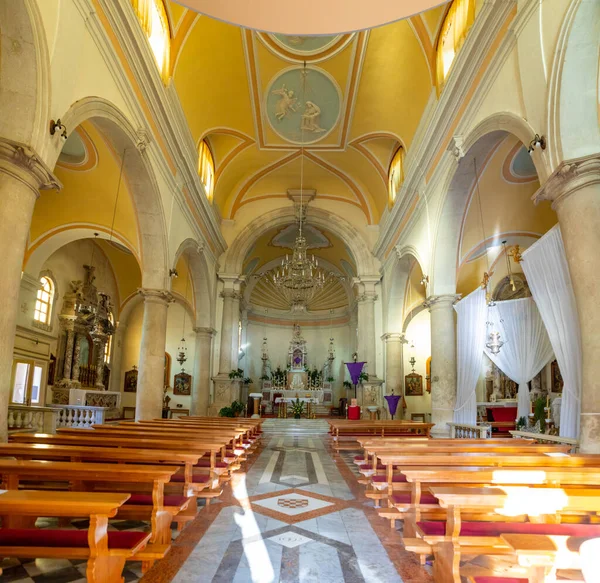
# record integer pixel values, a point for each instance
(175, 11)
(125, 267)
(211, 79)
(395, 84)
(433, 20)
(89, 197)
(222, 145)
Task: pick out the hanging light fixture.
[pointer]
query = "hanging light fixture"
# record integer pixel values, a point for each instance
(331, 351)
(182, 348)
(299, 277)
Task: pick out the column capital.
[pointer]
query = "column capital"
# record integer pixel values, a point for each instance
(231, 294)
(570, 176)
(23, 164)
(394, 337)
(367, 297)
(157, 296)
(67, 322)
(441, 301)
(204, 332)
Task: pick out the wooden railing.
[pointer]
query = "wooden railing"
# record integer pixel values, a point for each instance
(467, 431)
(22, 418)
(82, 416)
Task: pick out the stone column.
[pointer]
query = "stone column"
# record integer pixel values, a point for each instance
(99, 343)
(116, 358)
(68, 325)
(201, 380)
(149, 396)
(574, 189)
(231, 310)
(443, 362)
(76, 353)
(22, 176)
(366, 327)
(394, 369)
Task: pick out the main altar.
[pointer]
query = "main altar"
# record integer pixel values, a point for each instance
(296, 383)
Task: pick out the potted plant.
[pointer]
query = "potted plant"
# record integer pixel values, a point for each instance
(363, 377)
(347, 385)
(237, 407)
(236, 374)
(297, 408)
(248, 381)
(226, 412)
(330, 380)
(265, 377)
(521, 423)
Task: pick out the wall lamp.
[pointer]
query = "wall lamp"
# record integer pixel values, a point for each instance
(58, 126)
(173, 273)
(538, 141)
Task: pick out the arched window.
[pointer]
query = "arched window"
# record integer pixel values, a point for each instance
(206, 168)
(396, 174)
(43, 302)
(155, 24)
(452, 36)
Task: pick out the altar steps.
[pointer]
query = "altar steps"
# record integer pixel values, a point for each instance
(295, 426)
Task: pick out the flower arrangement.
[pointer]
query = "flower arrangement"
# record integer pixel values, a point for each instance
(314, 378)
(278, 377)
(297, 408)
(363, 377)
(236, 374)
(265, 377)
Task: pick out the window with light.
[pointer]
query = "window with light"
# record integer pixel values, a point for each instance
(206, 168)
(396, 174)
(43, 302)
(155, 24)
(456, 25)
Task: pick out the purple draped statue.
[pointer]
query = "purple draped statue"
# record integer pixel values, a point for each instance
(392, 401)
(355, 368)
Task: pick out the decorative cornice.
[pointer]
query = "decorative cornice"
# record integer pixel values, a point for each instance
(23, 164)
(568, 178)
(231, 294)
(442, 301)
(156, 295)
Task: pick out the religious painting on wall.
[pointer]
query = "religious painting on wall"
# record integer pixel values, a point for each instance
(131, 377)
(413, 385)
(557, 380)
(182, 384)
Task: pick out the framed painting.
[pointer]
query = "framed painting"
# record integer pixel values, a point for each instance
(557, 380)
(413, 385)
(182, 384)
(131, 377)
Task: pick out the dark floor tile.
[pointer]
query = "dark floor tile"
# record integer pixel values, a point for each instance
(13, 574)
(127, 524)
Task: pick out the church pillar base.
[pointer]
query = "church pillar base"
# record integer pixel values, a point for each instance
(370, 394)
(226, 392)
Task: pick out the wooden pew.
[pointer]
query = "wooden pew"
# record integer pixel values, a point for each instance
(348, 431)
(105, 552)
(485, 538)
(106, 477)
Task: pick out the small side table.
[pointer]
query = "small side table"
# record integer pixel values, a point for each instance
(373, 413)
(256, 397)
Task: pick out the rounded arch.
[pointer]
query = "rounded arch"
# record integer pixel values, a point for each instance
(201, 280)
(406, 257)
(477, 145)
(573, 110)
(366, 263)
(25, 92)
(121, 135)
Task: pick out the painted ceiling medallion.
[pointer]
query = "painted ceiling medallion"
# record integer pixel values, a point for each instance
(303, 104)
(315, 239)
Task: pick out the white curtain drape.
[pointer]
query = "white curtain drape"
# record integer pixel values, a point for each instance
(547, 272)
(526, 348)
(470, 341)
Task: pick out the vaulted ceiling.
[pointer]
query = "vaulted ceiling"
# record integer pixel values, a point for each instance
(368, 91)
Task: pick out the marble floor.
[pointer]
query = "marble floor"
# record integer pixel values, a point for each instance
(297, 514)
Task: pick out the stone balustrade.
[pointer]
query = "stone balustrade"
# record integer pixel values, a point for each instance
(22, 418)
(82, 416)
(545, 438)
(467, 431)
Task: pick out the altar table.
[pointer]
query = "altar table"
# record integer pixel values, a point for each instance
(283, 402)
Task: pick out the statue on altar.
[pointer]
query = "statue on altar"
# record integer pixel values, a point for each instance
(297, 358)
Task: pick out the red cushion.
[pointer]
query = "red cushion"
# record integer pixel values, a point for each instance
(395, 478)
(504, 413)
(404, 498)
(498, 528)
(205, 463)
(358, 458)
(37, 537)
(196, 478)
(146, 500)
(500, 580)
(370, 467)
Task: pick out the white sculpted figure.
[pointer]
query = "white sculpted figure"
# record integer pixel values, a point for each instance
(286, 103)
(311, 118)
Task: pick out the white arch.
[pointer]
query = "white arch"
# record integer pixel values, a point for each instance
(366, 263)
(573, 124)
(119, 131)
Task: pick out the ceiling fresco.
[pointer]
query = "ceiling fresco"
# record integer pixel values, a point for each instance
(243, 92)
